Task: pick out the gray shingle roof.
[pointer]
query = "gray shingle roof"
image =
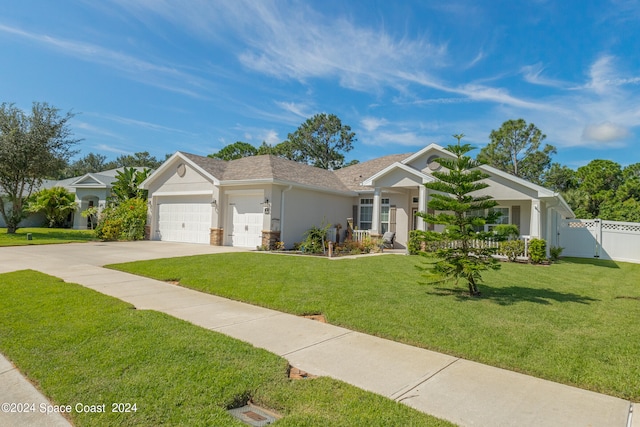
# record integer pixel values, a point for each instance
(352, 176)
(268, 167)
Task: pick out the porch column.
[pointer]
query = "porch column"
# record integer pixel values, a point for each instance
(375, 217)
(550, 226)
(423, 195)
(536, 220)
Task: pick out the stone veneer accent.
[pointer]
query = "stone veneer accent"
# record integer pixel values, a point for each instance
(216, 237)
(269, 238)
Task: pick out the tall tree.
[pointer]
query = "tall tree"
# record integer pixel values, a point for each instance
(235, 151)
(90, 163)
(514, 148)
(32, 147)
(321, 141)
(625, 204)
(598, 182)
(560, 178)
(140, 159)
(455, 197)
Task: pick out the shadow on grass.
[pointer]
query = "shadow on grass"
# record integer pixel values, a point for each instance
(514, 294)
(590, 261)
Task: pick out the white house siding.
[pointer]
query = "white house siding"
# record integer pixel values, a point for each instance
(305, 208)
(171, 182)
(187, 199)
(83, 196)
(33, 220)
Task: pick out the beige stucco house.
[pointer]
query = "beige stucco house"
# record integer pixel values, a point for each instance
(252, 200)
(91, 190)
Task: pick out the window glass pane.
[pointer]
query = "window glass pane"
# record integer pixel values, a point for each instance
(384, 214)
(475, 212)
(384, 201)
(504, 218)
(366, 201)
(366, 213)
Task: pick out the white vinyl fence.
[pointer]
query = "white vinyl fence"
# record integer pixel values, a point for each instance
(594, 238)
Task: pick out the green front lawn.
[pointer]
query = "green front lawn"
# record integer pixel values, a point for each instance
(44, 236)
(574, 322)
(82, 347)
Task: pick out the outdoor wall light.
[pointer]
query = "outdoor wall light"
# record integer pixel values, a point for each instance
(214, 203)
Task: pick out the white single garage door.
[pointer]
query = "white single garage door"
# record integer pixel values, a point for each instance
(245, 217)
(186, 221)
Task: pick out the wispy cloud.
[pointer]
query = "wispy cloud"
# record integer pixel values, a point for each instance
(534, 74)
(158, 75)
(300, 110)
(371, 124)
(138, 123)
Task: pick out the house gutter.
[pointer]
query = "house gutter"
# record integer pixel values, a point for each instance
(282, 211)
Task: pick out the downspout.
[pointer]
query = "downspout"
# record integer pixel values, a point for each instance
(282, 211)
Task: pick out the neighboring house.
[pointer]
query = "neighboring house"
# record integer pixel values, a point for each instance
(91, 189)
(253, 200)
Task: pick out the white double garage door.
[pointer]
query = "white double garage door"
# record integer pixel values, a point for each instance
(188, 219)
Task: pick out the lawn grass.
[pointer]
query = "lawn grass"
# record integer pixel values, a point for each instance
(80, 346)
(44, 236)
(574, 322)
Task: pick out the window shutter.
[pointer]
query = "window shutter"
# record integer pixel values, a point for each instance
(515, 216)
(392, 218)
(431, 226)
(355, 216)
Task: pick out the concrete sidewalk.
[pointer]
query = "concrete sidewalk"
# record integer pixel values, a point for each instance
(464, 392)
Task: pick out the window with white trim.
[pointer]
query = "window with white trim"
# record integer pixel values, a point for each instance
(366, 214)
(504, 217)
(384, 215)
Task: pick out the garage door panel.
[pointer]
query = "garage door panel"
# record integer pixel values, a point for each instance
(188, 221)
(246, 220)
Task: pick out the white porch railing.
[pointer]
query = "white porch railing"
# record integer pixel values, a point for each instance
(361, 235)
(489, 243)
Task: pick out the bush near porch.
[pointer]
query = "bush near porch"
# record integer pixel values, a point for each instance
(574, 321)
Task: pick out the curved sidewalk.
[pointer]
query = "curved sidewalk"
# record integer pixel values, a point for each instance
(461, 391)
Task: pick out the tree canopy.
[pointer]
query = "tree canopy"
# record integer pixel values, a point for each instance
(32, 147)
(514, 148)
(234, 151)
(320, 141)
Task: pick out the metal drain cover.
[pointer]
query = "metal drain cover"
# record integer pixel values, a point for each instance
(253, 415)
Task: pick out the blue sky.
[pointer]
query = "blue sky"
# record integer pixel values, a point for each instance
(164, 75)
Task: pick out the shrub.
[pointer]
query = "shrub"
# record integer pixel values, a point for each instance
(125, 221)
(512, 249)
(506, 232)
(315, 239)
(555, 252)
(56, 203)
(424, 241)
(537, 250)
